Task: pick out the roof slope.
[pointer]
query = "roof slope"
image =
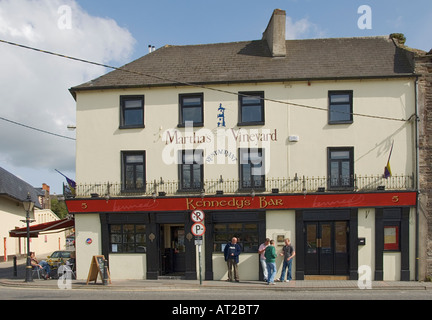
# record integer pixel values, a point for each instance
(15, 188)
(250, 61)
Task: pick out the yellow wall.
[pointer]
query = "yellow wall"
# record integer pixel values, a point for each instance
(128, 266)
(99, 139)
(86, 226)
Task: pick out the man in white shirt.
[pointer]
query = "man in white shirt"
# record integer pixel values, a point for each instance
(261, 251)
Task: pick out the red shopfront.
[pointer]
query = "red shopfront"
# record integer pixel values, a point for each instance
(319, 216)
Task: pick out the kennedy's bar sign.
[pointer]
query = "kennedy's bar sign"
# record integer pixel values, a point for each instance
(246, 202)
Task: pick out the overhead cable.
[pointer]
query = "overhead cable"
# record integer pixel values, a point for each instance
(192, 84)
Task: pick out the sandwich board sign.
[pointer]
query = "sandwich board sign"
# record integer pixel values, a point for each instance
(97, 268)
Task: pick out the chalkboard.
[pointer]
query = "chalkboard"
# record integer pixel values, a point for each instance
(97, 268)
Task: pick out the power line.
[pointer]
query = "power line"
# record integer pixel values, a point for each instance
(36, 129)
(193, 84)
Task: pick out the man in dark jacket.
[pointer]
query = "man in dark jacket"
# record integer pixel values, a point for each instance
(231, 252)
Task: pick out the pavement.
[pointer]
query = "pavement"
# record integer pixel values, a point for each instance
(8, 279)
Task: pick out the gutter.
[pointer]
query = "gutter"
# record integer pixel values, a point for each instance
(206, 84)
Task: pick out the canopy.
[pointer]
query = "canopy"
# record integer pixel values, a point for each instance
(43, 227)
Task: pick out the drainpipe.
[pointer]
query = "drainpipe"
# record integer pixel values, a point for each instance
(417, 182)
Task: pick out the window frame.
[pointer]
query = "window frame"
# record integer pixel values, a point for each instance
(350, 93)
(340, 185)
(182, 154)
(242, 185)
(392, 246)
(123, 100)
(124, 155)
(182, 121)
(242, 105)
(121, 244)
(227, 234)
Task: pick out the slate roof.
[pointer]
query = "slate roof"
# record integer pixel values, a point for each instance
(251, 61)
(13, 187)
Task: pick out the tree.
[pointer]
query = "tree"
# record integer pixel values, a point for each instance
(58, 207)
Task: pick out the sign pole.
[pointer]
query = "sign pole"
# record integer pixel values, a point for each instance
(200, 269)
(198, 230)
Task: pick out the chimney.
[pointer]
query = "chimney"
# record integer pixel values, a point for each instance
(46, 200)
(275, 33)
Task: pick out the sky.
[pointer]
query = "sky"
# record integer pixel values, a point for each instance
(34, 86)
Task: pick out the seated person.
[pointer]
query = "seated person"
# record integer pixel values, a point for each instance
(71, 263)
(42, 265)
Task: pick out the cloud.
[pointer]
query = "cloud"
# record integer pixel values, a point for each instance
(34, 86)
(302, 29)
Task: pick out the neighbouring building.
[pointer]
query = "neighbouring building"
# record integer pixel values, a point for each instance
(312, 140)
(424, 100)
(45, 236)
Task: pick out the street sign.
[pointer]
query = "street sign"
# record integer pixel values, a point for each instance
(197, 216)
(198, 229)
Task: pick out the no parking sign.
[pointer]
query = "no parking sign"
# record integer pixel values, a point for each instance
(197, 216)
(198, 229)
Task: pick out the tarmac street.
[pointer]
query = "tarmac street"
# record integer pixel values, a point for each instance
(15, 288)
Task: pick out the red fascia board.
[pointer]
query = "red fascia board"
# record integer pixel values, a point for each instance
(246, 202)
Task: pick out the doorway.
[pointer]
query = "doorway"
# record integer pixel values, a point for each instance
(172, 249)
(326, 247)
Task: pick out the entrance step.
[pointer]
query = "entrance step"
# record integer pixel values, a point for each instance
(325, 277)
(171, 277)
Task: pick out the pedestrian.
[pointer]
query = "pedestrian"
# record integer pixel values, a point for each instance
(270, 255)
(261, 251)
(288, 253)
(231, 252)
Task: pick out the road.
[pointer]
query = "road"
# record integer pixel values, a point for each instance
(196, 294)
(22, 293)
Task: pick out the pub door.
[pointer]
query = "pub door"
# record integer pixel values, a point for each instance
(172, 249)
(326, 248)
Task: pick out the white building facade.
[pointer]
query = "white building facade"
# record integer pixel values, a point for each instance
(270, 139)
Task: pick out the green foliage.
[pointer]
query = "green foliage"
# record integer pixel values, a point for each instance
(400, 37)
(59, 208)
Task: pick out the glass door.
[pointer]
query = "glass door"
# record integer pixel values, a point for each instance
(326, 248)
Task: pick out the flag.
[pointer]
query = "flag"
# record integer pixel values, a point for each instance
(71, 183)
(387, 169)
